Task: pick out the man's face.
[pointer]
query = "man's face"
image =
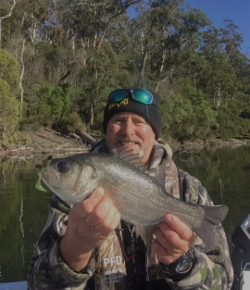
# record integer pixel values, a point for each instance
(131, 131)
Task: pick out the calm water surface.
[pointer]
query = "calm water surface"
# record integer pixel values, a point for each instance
(23, 209)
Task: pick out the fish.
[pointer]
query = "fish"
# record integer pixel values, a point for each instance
(140, 197)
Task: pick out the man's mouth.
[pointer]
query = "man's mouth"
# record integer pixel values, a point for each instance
(128, 143)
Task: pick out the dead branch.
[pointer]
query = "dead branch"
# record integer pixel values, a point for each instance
(23, 148)
(85, 136)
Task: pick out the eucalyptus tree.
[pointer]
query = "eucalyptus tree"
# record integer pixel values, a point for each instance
(143, 42)
(241, 65)
(23, 28)
(86, 25)
(163, 35)
(5, 12)
(188, 59)
(219, 81)
(9, 104)
(27, 20)
(225, 83)
(230, 37)
(166, 17)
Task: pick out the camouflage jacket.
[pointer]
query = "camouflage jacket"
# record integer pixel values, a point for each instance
(111, 266)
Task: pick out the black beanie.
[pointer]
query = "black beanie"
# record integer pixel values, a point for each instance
(150, 113)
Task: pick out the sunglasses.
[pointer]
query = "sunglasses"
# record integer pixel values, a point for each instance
(138, 95)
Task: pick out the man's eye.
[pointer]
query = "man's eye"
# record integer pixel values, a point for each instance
(118, 121)
(139, 122)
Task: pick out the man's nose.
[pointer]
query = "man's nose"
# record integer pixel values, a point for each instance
(128, 128)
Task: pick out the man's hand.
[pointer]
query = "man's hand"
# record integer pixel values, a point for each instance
(89, 223)
(174, 238)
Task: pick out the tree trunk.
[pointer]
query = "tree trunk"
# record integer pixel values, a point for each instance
(163, 57)
(142, 70)
(102, 38)
(218, 98)
(32, 35)
(4, 17)
(73, 45)
(0, 32)
(92, 117)
(21, 79)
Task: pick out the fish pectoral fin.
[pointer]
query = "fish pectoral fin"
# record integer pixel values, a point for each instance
(146, 233)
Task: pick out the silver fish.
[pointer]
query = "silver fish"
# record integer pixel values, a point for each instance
(141, 199)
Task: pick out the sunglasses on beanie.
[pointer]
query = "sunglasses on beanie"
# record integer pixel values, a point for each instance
(139, 95)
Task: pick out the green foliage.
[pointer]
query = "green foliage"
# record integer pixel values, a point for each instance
(190, 115)
(74, 55)
(27, 139)
(9, 105)
(72, 122)
(9, 109)
(54, 104)
(55, 108)
(8, 140)
(230, 124)
(9, 70)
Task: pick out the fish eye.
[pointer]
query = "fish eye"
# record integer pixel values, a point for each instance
(63, 166)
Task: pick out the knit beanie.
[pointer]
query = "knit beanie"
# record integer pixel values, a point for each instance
(150, 113)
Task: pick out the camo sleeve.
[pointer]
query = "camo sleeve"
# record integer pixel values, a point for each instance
(212, 270)
(47, 269)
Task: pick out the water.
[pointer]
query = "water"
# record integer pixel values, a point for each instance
(225, 174)
(23, 209)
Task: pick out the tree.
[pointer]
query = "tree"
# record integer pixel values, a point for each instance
(9, 109)
(9, 71)
(73, 53)
(9, 81)
(5, 17)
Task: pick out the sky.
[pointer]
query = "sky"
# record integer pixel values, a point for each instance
(236, 10)
(218, 10)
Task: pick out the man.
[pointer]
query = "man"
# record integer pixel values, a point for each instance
(88, 247)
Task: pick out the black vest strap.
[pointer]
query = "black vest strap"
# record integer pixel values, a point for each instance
(181, 187)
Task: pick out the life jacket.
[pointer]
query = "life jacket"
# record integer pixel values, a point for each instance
(123, 262)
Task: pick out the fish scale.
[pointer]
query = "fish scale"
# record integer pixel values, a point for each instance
(141, 199)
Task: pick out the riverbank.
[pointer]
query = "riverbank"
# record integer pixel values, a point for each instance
(43, 141)
(46, 141)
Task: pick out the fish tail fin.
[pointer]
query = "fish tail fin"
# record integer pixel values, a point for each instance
(214, 215)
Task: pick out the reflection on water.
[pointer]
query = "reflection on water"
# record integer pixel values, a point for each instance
(225, 173)
(23, 209)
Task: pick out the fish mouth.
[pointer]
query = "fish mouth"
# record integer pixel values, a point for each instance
(41, 170)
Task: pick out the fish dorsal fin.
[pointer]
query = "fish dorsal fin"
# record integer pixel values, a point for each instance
(130, 157)
(135, 159)
(158, 172)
